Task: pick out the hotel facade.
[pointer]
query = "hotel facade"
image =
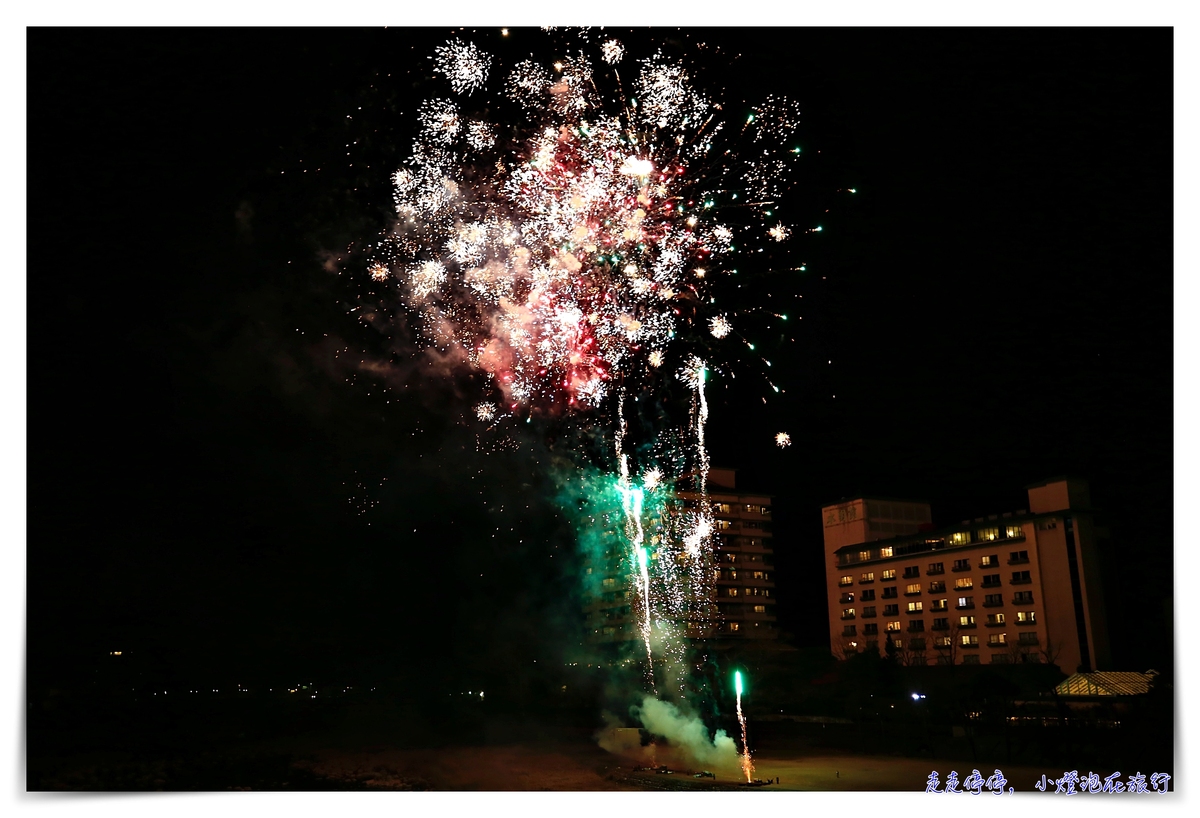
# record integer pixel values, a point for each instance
(1022, 586)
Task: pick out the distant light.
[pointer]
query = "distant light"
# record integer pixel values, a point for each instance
(915, 696)
(504, 32)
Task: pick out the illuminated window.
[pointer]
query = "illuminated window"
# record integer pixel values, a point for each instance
(941, 642)
(889, 574)
(846, 580)
(897, 643)
(966, 621)
(1014, 531)
(1026, 618)
(891, 610)
(723, 525)
(760, 608)
(963, 584)
(867, 595)
(1023, 597)
(731, 575)
(733, 626)
(996, 619)
(998, 639)
(758, 575)
(722, 508)
(938, 586)
(868, 576)
(894, 625)
(969, 640)
(864, 556)
(914, 607)
(989, 561)
(960, 538)
(609, 582)
(915, 588)
(966, 602)
(732, 591)
(886, 551)
(764, 592)
(937, 605)
(847, 613)
(988, 534)
(891, 592)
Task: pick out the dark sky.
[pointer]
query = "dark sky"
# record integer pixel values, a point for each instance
(993, 307)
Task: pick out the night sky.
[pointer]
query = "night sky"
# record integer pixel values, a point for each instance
(208, 491)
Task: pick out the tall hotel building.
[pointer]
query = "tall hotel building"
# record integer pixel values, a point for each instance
(1014, 587)
(744, 588)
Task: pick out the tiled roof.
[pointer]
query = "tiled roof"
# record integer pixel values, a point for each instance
(1107, 683)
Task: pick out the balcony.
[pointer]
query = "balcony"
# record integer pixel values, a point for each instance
(868, 615)
(971, 646)
(992, 583)
(892, 578)
(996, 624)
(917, 612)
(913, 629)
(866, 581)
(846, 599)
(936, 608)
(965, 607)
(957, 567)
(1027, 623)
(1028, 639)
(912, 593)
(932, 571)
(1020, 581)
(969, 627)
(1018, 599)
(848, 616)
(1018, 561)
(940, 627)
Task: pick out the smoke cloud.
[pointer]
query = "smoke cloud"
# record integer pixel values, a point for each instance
(680, 740)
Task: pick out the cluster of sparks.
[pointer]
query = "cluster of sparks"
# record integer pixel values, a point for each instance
(571, 257)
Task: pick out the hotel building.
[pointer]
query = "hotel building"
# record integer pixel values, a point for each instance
(1015, 587)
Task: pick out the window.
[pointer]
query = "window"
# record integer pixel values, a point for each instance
(1026, 618)
(990, 561)
(897, 643)
(1023, 597)
(732, 592)
(966, 621)
(1011, 531)
(996, 619)
(941, 624)
(991, 580)
(1018, 556)
(912, 571)
(609, 582)
(867, 595)
(1027, 638)
(914, 588)
(969, 640)
(1047, 525)
(731, 575)
(916, 626)
(936, 568)
(870, 628)
(734, 626)
(889, 574)
(914, 607)
(890, 593)
(941, 641)
(988, 534)
(760, 608)
(937, 605)
(894, 626)
(962, 565)
(886, 551)
(722, 508)
(963, 584)
(966, 602)
(891, 610)
(846, 580)
(764, 591)
(938, 586)
(971, 658)
(917, 643)
(960, 538)
(1000, 659)
(850, 630)
(868, 611)
(863, 556)
(998, 640)
(847, 613)
(868, 576)
(993, 600)
(1020, 577)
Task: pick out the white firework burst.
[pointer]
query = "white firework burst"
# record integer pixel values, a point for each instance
(485, 412)
(783, 440)
(779, 232)
(652, 479)
(612, 51)
(656, 358)
(480, 135)
(427, 278)
(378, 271)
(463, 64)
(719, 326)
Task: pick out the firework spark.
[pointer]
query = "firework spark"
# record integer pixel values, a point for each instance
(719, 326)
(783, 440)
(463, 64)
